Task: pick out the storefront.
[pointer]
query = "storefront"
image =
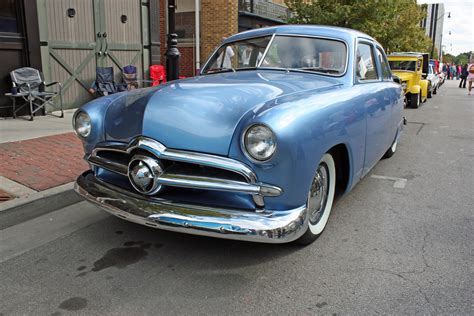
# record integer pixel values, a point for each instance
(19, 43)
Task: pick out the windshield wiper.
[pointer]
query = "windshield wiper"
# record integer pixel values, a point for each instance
(322, 69)
(219, 70)
(246, 68)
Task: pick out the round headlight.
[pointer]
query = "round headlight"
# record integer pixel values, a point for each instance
(82, 124)
(259, 142)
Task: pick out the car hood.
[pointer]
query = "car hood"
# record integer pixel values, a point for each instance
(201, 113)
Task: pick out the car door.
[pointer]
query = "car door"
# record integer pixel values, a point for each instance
(376, 103)
(395, 95)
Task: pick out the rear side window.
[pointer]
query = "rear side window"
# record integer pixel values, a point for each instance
(386, 73)
(365, 63)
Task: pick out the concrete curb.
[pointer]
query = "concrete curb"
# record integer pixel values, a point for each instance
(36, 204)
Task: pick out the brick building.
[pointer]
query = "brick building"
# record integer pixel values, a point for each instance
(216, 19)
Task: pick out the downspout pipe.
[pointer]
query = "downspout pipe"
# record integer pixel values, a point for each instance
(198, 36)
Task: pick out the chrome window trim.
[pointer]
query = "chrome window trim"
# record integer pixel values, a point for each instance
(325, 38)
(370, 43)
(266, 50)
(292, 35)
(201, 72)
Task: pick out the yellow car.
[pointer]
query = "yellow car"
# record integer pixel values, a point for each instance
(412, 69)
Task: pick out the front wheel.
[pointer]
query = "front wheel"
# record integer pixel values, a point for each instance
(415, 100)
(320, 199)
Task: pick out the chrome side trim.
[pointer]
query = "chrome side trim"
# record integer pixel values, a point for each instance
(197, 182)
(267, 226)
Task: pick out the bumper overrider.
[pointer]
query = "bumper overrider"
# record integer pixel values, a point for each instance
(263, 226)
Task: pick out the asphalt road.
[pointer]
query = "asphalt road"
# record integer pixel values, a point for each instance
(400, 243)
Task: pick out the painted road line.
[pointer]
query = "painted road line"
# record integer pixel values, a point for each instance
(398, 183)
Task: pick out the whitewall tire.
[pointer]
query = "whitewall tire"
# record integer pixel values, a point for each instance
(320, 199)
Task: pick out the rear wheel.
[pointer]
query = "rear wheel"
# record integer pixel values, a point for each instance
(435, 90)
(429, 92)
(320, 199)
(415, 100)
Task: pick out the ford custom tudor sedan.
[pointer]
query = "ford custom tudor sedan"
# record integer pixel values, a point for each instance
(279, 122)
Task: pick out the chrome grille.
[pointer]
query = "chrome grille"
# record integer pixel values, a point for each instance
(185, 169)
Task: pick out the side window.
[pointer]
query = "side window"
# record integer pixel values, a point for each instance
(386, 73)
(365, 63)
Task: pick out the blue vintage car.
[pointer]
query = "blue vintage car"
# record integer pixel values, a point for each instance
(279, 123)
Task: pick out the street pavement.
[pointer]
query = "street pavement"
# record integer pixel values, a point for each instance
(400, 243)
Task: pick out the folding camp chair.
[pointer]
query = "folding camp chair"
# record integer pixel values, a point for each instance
(129, 78)
(28, 84)
(104, 83)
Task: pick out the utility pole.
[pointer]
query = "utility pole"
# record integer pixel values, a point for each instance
(172, 52)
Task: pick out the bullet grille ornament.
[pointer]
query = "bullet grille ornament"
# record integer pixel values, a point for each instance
(143, 173)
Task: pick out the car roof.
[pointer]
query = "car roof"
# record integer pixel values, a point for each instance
(306, 29)
(408, 54)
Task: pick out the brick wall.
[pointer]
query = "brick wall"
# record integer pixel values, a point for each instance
(219, 18)
(186, 61)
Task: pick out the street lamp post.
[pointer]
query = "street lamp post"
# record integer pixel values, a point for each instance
(434, 33)
(172, 52)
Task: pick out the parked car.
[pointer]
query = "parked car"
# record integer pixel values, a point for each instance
(279, 122)
(412, 69)
(437, 69)
(433, 79)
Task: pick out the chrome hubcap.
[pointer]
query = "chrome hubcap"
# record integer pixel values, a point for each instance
(318, 194)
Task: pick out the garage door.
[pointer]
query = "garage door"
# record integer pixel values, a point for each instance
(79, 35)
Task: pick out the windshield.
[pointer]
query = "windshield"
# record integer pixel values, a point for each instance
(409, 65)
(284, 52)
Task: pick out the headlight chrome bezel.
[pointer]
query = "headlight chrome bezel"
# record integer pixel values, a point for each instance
(75, 124)
(246, 150)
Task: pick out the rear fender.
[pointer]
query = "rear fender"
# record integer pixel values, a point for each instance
(424, 88)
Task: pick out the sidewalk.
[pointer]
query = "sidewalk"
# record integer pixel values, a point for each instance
(38, 159)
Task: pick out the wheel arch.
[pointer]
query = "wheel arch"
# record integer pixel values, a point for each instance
(340, 154)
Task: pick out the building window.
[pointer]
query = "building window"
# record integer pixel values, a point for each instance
(8, 17)
(185, 21)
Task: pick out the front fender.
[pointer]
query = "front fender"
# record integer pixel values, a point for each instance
(415, 89)
(305, 127)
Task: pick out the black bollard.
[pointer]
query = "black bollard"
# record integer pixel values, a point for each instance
(172, 53)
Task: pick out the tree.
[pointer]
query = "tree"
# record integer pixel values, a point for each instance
(448, 58)
(395, 24)
(462, 59)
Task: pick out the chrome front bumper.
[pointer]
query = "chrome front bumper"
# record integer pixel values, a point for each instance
(263, 226)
